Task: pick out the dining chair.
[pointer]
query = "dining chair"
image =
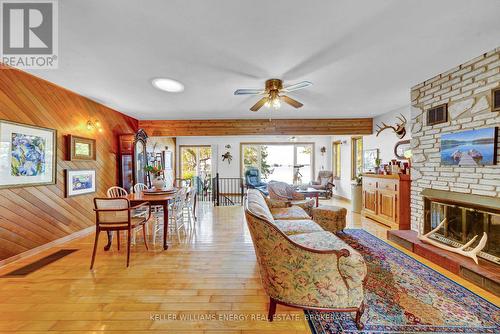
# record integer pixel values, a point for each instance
(176, 214)
(156, 211)
(140, 187)
(190, 205)
(116, 214)
(116, 191)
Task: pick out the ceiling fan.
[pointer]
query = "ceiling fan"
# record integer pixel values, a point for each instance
(274, 94)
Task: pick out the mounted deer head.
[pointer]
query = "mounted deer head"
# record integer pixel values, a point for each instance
(399, 129)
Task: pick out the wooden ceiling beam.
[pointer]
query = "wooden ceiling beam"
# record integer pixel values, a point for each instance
(234, 127)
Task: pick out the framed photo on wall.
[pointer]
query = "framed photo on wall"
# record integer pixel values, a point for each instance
(80, 182)
(369, 157)
(168, 160)
(80, 148)
(28, 155)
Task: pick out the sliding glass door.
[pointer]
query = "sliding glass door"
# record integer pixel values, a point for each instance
(287, 162)
(196, 161)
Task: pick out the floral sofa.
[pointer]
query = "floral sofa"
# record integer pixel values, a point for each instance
(302, 265)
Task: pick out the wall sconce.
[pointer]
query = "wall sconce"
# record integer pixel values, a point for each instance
(228, 146)
(91, 125)
(323, 150)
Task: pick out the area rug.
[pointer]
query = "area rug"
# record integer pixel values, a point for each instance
(403, 295)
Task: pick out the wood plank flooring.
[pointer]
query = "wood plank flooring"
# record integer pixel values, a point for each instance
(207, 282)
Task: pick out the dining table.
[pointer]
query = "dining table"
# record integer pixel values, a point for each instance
(160, 198)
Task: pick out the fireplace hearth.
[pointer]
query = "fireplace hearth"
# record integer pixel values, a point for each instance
(466, 216)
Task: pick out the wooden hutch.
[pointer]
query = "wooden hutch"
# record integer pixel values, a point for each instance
(386, 199)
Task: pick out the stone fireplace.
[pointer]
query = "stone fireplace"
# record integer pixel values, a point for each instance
(466, 90)
(466, 216)
(466, 195)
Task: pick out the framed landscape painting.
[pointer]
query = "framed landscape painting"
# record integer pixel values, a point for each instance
(369, 157)
(27, 155)
(80, 182)
(80, 148)
(470, 148)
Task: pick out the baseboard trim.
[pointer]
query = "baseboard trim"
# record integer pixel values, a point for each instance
(48, 245)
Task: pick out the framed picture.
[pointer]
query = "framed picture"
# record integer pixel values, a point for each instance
(80, 181)
(470, 148)
(80, 148)
(168, 160)
(28, 155)
(369, 157)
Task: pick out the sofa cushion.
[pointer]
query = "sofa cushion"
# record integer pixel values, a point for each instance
(293, 212)
(321, 241)
(292, 227)
(352, 267)
(257, 205)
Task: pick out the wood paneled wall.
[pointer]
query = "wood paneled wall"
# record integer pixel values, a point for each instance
(235, 127)
(33, 216)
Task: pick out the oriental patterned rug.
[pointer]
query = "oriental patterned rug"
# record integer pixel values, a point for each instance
(403, 295)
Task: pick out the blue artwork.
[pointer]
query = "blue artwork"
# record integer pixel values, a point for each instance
(469, 148)
(81, 182)
(27, 155)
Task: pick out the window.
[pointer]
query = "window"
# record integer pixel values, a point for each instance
(195, 161)
(336, 159)
(291, 163)
(356, 156)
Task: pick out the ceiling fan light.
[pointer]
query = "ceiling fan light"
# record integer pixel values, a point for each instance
(276, 103)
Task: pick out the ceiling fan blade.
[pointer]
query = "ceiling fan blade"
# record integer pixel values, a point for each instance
(259, 104)
(292, 102)
(297, 86)
(248, 91)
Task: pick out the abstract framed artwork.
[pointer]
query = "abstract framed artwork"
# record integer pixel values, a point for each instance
(28, 155)
(470, 148)
(369, 157)
(80, 148)
(80, 182)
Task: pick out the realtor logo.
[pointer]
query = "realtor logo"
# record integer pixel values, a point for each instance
(29, 34)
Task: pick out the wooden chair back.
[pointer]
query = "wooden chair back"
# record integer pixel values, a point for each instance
(115, 191)
(139, 187)
(112, 212)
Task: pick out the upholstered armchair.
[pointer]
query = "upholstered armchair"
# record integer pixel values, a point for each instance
(253, 180)
(281, 191)
(311, 270)
(324, 182)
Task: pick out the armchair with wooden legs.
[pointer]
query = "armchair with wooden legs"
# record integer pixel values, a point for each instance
(116, 214)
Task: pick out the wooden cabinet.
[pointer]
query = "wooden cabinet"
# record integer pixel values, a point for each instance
(386, 199)
(370, 201)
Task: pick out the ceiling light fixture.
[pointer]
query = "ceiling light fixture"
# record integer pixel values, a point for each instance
(168, 85)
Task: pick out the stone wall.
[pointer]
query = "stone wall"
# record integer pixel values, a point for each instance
(467, 90)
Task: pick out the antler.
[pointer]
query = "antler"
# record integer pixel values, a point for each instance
(384, 127)
(403, 120)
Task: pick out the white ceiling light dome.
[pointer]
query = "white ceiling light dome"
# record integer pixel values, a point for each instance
(168, 85)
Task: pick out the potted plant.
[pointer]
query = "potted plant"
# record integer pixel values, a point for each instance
(157, 180)
(356, 193)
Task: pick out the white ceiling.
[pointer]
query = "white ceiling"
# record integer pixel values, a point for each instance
(362, 56)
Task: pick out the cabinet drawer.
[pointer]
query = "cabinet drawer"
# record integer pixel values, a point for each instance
(387, 185)
(369, 183)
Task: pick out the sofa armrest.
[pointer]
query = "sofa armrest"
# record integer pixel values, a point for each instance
(353, 269)
(275, 203)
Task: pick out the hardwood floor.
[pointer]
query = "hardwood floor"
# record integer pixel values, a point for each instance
(207, 282)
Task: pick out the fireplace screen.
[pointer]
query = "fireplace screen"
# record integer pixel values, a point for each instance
(462, 224)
